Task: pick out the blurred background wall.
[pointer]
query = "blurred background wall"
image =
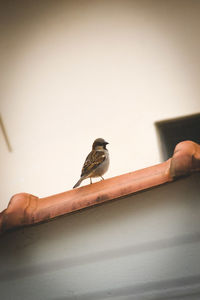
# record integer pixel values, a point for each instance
(72, 71)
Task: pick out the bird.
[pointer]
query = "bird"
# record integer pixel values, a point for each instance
(96, 163)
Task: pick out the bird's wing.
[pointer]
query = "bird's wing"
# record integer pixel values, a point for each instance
(93, 160)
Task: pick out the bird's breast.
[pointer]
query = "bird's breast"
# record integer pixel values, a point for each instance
(102, 168)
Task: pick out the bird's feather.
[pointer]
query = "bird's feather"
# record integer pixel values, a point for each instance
(78, 183)
(93, 160)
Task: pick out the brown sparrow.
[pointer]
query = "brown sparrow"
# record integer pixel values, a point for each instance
(96, 163)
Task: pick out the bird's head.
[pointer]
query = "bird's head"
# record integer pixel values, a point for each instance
(99, 144)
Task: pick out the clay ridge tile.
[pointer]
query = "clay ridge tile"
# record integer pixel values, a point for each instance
(26, 209)
(185, 160)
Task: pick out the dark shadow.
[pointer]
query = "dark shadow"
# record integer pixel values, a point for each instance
(171, 132)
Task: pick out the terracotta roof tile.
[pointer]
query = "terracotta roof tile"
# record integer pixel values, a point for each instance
(25, 209)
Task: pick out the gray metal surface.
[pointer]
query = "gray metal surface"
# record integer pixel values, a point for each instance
(144, 247)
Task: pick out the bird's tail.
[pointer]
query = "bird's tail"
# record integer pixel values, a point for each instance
(78, 183)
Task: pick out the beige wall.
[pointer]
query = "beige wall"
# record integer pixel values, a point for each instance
(76, 70)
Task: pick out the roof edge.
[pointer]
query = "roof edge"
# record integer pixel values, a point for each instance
(185, 160)
(26, 209)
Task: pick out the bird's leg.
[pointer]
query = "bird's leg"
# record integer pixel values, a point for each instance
(102, 177)
(90, 180)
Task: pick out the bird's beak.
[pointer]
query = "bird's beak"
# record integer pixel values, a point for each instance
(106, 143)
